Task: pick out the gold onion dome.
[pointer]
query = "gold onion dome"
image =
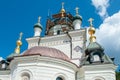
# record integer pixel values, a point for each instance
(62, 10)
(18, 43)
(17, 49)
(91, 30)
(92, 38)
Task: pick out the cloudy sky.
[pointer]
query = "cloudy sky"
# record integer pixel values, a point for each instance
(20, 16)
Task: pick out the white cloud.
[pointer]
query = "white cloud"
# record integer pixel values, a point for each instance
(101, 6)
(108, 35)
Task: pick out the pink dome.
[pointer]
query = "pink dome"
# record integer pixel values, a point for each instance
(46, 51)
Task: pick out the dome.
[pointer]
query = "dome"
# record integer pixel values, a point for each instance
(45, 51)
(38, 25)
(77, 17)
(94, 46)
(91, 30)
(62, 11)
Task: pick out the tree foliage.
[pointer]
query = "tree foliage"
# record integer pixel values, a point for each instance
(117, 75)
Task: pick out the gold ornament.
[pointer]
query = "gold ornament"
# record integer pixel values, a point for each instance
(18, 44)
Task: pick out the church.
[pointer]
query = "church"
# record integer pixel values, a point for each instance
(62, 54)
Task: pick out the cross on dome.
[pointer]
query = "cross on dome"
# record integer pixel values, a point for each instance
(91, 21)
(39, 18)
(77, 8)
(20, 35)
(62, 5)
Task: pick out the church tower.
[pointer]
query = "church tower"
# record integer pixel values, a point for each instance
(63, 32)
(97, 65)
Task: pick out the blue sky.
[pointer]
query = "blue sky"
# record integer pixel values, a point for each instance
(20, 16)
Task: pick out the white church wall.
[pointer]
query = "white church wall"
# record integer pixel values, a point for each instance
(102, 75)
(100, 71)
(5, 75)
(43, 68)
(77, 49)
(62, 42)
(64, 48)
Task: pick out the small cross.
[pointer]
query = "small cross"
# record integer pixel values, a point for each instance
(39, 18)
(20, 35)
(76, 10)
(91, 21)
(62, 5)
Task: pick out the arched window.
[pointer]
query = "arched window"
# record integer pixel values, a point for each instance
(25, 76)
(59, 78)
(96, 58)
(98, 78)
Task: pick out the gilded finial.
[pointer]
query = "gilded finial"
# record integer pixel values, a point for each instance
(77, 12)
(91, 31)
(18, 44)
(62, 10)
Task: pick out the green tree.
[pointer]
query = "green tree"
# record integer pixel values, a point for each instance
(117, 75)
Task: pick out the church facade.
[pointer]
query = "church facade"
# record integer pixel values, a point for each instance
(61, 54)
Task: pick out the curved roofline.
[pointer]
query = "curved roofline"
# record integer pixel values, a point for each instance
(46, 51)
(52, 58)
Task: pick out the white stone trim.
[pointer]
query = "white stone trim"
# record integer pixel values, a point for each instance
(19, 75)
(98, 77)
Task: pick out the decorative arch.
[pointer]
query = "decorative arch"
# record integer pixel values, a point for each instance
(98, 78)
(25, 75)
(96, 56)
(59, 78)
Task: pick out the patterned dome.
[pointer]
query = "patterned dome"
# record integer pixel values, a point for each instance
(46, 51)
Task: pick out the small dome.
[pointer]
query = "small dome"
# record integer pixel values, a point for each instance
(38, 25)
(77, 17)
(45, 51)
(62, 11)
(91, 30)
(94, 46)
